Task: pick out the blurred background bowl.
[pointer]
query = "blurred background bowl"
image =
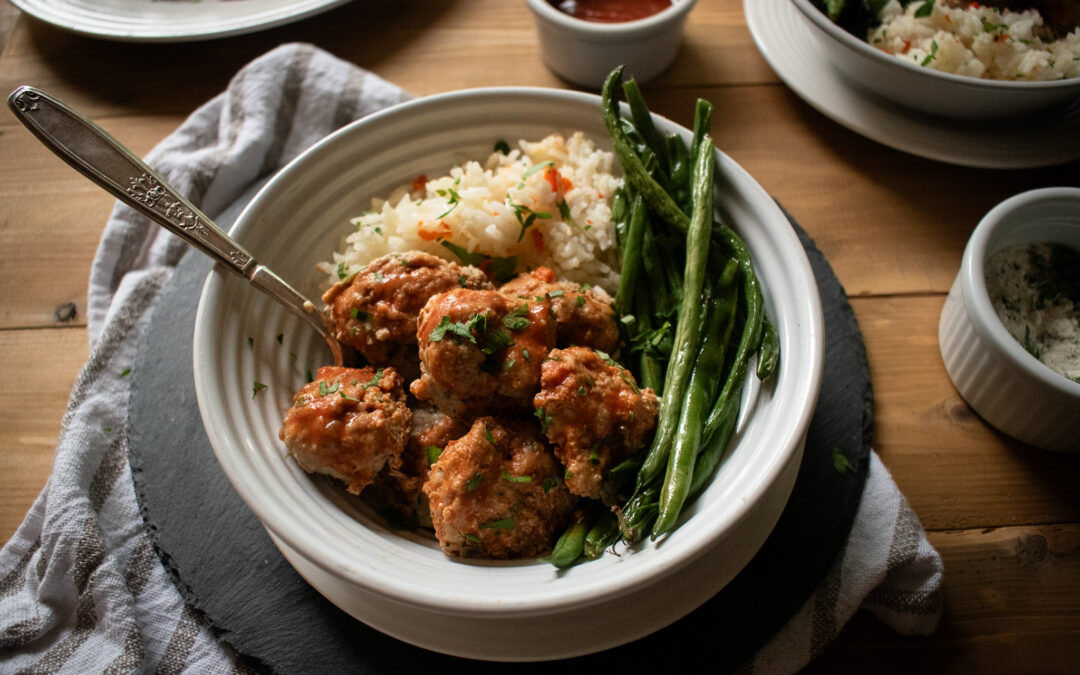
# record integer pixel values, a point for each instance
(924, 89)
(584, 52)
(1008, 387)
(399, 582)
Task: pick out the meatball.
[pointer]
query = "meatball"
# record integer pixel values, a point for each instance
(400, 486)
(595, 414)
(348, 423)
(496, 493)
(481, 351)
(583, 314)
(375, 310)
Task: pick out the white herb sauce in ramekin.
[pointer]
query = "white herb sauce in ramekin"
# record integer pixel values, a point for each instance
(1035, 290)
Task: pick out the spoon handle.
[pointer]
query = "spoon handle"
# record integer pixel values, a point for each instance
(101, 158)
(104, 160)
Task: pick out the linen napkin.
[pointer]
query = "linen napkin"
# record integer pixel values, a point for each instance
(81, 589)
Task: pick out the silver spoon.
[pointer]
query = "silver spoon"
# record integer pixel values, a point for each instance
(101, 158)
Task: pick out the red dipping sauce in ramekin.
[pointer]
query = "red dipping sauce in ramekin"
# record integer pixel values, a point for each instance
(610, 11)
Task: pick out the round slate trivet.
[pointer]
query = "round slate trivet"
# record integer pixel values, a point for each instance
(225, 565)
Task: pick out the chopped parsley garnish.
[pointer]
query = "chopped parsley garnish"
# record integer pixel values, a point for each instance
(342, 270)
(125, 372)
(256, 388)
(488, 436)
(473, 538)
(932, 55)
(475, 330)
(433, 454)
(535, 168)
(525, 216)
(378, 277)
(516, 479)
(348, 398)
(518, 318)
(545, 419)
(503, 524)
(359, 314)
(500, 269)
(474, 482)
(462, 331)
(374, 381)
(581, 390)
(564, 213)
(325, 390)
(509, 364)
(300, 402)
(549, 483)
(926, 10)
(525, 353)
(841, 463)
(452, 200)
(558, 293)
(580, 301)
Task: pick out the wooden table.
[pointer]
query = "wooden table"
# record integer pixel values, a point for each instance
(1005, 517)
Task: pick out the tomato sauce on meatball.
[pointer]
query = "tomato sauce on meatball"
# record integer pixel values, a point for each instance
(496, 492)
(348, 423)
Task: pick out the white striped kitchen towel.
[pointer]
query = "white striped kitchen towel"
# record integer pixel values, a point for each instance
(81, 590)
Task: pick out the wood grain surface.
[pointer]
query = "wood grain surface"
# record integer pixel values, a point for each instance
(1005, 517)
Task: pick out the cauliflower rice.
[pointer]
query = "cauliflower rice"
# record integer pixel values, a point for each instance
(547, 203)
(977, 41)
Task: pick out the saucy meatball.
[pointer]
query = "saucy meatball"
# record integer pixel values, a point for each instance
(496, 493)
(400, 486)
(481, 351)
(583, 314)
(348, 423)
(375, 310)
(592, 410)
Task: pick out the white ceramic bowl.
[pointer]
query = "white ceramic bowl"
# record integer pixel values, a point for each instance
(928, 90)
(400, 583)
(584, 52)
(1000, 380)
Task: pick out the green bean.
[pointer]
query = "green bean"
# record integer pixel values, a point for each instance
(702, 122)
(635, 172)
(769, 354)
(680, 171)
(638, 514)
(631, 254)
(650, 369)
(603, 533)
(715, 445)
(569, 546)
(643, 122)
(688, 328)
(751, 335)
(700, 393)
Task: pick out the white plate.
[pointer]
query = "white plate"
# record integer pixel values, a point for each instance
(170, 20)
(787, 42)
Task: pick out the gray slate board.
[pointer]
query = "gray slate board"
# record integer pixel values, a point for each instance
(225, 565)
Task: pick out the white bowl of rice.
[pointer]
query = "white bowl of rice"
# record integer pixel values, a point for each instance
(970, 61)
(400, 582)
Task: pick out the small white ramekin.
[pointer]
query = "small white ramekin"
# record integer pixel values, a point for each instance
(999, 379)
(584, 52)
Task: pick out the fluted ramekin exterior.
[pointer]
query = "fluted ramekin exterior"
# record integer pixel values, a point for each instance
(1003, 383)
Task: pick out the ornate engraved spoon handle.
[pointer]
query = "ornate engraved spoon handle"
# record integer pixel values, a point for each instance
(101, 158)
